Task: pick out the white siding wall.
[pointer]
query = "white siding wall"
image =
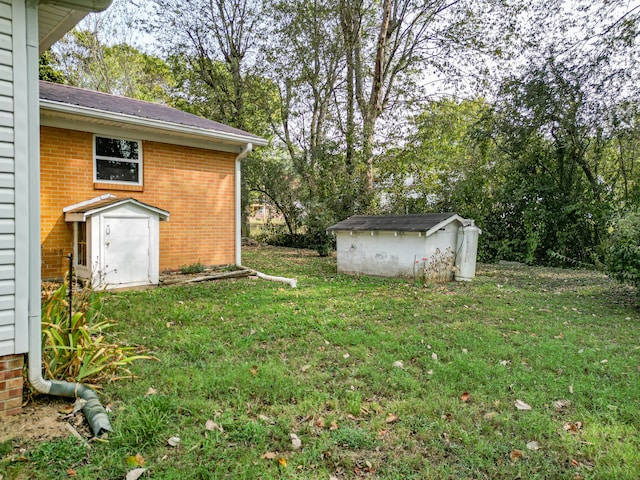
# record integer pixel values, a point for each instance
(18, 111)
(7, 184)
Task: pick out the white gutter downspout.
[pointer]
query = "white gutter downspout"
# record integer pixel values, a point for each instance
(245, 151)
(93, 410)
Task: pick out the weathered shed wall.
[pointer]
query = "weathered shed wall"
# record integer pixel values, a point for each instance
(391, 254)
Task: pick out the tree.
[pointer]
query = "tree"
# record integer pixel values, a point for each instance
(85, 61)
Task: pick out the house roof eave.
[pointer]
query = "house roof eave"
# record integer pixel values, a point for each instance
(151, 124)
(57, 17)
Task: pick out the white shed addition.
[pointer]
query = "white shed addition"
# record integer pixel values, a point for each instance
(402, 245)
(116, 241)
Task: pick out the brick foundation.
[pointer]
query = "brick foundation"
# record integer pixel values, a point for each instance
(11, 384)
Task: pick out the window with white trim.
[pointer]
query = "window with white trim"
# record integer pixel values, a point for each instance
(117, 160)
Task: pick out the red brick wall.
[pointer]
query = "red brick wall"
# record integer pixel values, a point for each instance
(11, 384)
(196, 186)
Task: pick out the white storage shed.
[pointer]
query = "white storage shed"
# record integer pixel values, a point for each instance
(404, 245)
(116, 241)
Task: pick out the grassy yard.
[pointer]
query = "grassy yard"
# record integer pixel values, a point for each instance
(378, 378)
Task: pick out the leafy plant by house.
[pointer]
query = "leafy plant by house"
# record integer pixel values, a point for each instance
(191, 269)
(76, 346)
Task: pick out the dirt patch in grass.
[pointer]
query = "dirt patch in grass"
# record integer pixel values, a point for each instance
(39, 421)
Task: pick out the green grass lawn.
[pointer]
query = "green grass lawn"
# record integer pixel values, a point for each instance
(261, 361)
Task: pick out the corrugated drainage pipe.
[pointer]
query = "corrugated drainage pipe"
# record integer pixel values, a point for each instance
(93, 410)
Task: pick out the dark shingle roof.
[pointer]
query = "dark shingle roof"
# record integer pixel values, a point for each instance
(420, 222)
(105, 102)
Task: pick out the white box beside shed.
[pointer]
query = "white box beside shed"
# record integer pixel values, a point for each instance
(400, 245)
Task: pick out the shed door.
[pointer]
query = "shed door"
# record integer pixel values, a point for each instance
(126, 250)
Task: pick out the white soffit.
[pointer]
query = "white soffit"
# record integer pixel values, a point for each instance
(57, 17)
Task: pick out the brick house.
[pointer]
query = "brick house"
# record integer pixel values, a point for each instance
(100, 151)
(104, 159)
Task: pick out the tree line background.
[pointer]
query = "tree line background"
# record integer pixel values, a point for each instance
(521, 115)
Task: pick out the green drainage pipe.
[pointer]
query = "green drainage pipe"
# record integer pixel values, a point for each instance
(93, 409)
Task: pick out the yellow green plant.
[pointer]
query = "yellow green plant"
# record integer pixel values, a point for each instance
(75, 346)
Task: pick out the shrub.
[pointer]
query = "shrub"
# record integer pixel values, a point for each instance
(622, 248)
(191, 269)
(75, 347)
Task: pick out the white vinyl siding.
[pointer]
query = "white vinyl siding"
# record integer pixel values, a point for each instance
(7, 184)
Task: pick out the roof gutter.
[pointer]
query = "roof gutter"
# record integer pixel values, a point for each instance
(149, 123)
(245, 151)
(93, 410)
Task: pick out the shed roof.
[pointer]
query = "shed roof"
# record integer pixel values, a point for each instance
(69, 102)
(420, 222)
(79, 212)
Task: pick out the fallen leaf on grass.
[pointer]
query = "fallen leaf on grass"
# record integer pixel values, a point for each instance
(560, 404)
(282, 461)
(533, 446)
(465, 397)
(151, 391)
(333, 426)
(570, 388)
(304, 368)
(211, 425)
(434, 356)
(391, 418)
(490, 415)
(430, 372)
(135, 474)
(573, 428)
(296, 443)
(254, 370)
(270, 456)
(515, 455)
(398, 364)
(346, 355)
(604, 361)
(319, 422)
(71, 472)
(520, 405)
(266, 419)
(135, 460)
(174, 441)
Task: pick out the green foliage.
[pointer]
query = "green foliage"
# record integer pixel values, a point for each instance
(191, 269)
(83, 59)
(76, 347)
(622, 248)
(47, 69)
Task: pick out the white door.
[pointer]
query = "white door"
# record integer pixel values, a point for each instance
(127, 242)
